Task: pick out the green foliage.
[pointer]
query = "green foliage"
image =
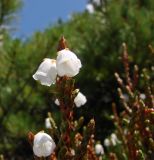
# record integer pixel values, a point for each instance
(18, 125)
(8, 8)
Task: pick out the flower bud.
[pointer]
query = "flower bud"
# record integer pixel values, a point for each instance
(142, 96)
(114, 139)
(46, 72)
(107, 142)
(48, 123)
(57, 102)
(80, 99)
(99, 149)
(43, 145)
(67, 63)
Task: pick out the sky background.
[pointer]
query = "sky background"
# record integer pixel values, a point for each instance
(36, 15)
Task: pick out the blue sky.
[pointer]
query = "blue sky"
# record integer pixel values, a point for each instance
(39, 14)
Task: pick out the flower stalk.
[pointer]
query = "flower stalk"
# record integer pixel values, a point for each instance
(67, 97)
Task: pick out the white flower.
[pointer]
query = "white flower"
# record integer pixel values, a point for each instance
(43, 145)
(114, 136)
(46, 72)
(114, 139)
(57, 102)
(107, 142)
(142, 96)
(80, 99)
(48, 123)
(67, 63)
(73, 152)
(90, 8)
(99, 149)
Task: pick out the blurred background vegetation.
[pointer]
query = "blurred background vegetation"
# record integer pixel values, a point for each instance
(96, 38)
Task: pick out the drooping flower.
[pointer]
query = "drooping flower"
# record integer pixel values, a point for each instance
(67, 63)
(99, 149)
(47, 72)
(114, 139)
(57, 102)
(142, 96)
(80, 99)
(47, 123)
(107, 142)
(43, 145)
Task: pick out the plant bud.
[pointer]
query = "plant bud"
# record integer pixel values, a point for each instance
(80, 100)
(99, 149)
(48, 123)
(107, 142)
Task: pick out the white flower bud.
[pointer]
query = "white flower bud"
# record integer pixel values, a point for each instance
(142, 96)
(114, 139)
(99, 149)
(43, 145)
(73, 152)
(67, 63)
(57, 102)
(90, 8)
(46, 72)
(80, 99)
(48, 123)
(107, 142)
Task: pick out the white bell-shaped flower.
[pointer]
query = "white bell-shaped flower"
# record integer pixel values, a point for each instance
(142, 96)
(99, 149)
(107, 142)
(114, 139)
(43, 145)
(48, 123)
(80, 99)
(46, 72)
(57, 102)
(67, 63)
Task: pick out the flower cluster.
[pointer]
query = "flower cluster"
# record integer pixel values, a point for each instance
(59, 72)
(66, 64)
(133, 138)
(111, 141)
(99, 149)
